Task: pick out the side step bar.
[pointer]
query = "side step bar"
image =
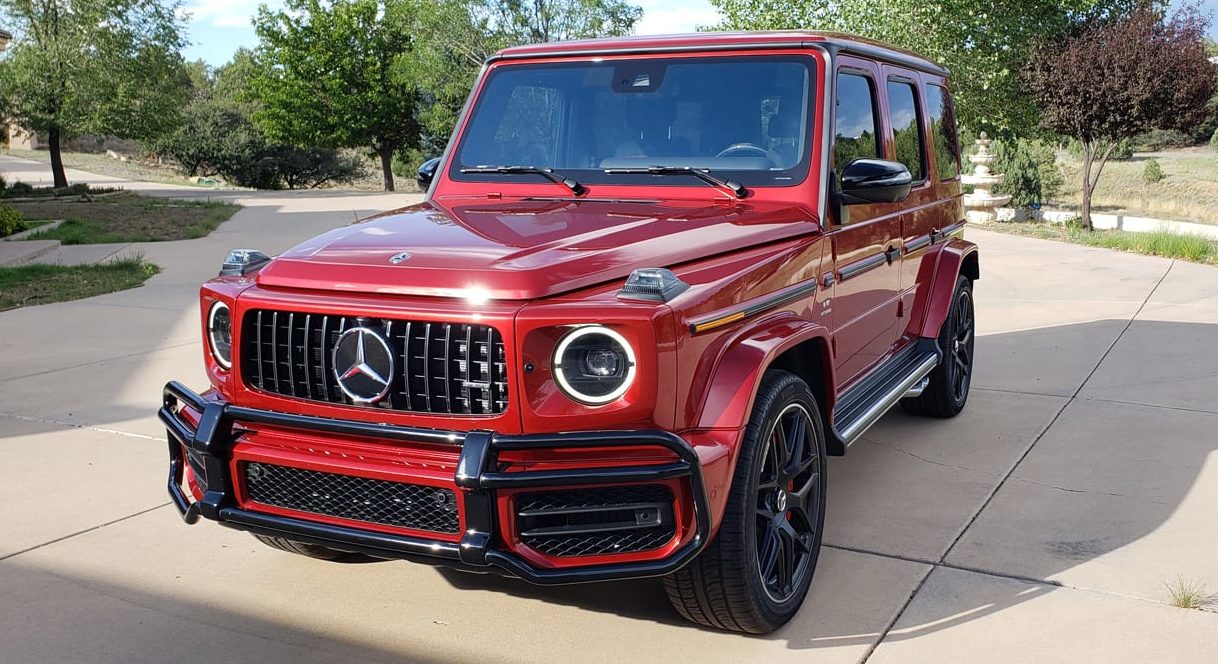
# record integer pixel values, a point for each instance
(904, 375)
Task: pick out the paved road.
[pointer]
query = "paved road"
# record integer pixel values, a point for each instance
(1040, 525)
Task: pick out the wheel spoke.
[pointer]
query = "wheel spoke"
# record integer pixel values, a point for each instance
(768, 557)
(779, 443)
(790, 558)
(801, 541)
(797, 442)
(801, 493)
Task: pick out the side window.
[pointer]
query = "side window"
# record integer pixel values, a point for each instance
(943, 124)
(907, 128)
(854, 128)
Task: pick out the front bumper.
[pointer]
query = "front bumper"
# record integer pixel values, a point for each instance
(211, 444)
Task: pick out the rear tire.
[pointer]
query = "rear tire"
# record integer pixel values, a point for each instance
(313, 550)
(755, 574)
(948, 389)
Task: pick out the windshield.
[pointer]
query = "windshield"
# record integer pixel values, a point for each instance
(745, 118)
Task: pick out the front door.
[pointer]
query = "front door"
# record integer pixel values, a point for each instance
(866, 238)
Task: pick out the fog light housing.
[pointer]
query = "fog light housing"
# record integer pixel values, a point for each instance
(594, 365)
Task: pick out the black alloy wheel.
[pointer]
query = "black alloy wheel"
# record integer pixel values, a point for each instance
(755, 573)
(961, 351)
(947, 391)
(787, 509)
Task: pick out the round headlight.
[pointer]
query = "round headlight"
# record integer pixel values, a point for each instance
(594, 365)
(220, 334)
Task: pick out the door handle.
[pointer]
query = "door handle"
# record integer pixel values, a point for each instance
(892, 253)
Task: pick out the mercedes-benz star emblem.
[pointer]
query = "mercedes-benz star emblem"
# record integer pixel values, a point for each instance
(363, 364)
(398, 258)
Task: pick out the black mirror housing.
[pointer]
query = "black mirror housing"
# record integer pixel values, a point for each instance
(875, 181)
(426, 173)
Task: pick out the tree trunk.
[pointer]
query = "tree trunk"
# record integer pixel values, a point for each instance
(1088, 157)
(53, 141)
(387, 167)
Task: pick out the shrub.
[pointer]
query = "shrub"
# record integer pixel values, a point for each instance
(1031, 170)
(219, 138)
(300, 167)
(20, 189)
(11, 221)
(1159, 139)
(1122, 152)
(1214, 139)
(1152, 172)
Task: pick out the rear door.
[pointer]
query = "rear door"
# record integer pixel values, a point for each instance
(866, 238)
(923, 209)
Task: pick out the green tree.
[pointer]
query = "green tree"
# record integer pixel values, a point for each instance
(535, 21)
(983, 42)
(108, 67)
(338, 74)
(457, 36)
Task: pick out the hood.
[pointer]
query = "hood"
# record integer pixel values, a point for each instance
(525, 249)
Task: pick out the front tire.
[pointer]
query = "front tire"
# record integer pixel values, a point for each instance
(948, 389)
(755, 574)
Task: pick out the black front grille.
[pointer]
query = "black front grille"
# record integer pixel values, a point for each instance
(450, 368)
(398, 504)
(593, 522)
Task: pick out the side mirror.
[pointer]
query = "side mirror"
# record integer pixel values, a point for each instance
(426, 173)
(875, 181)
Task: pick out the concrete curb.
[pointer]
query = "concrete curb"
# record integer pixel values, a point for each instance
(15, 237)
(22, 253)
(1122, 222)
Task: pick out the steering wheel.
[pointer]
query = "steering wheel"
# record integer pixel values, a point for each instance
(747, 149)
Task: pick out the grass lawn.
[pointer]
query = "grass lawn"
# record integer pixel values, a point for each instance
(103, 165)
(1159, 243)
(27, 285)
(1188, 192)
(128, 218)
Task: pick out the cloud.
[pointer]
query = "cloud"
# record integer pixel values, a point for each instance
(675, 16)
(222, 13)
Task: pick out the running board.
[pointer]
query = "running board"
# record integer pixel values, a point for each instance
(903, 375)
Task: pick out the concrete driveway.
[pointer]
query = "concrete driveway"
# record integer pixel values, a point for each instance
(1040, 525)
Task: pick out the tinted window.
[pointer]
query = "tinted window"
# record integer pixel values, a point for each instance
(743, 118)
(907, 127)
(855, 124)
(943, 124)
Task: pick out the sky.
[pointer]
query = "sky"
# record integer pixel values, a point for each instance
(217, 28)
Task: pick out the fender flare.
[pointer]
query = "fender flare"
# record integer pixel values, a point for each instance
(733, 386)
(956, 257)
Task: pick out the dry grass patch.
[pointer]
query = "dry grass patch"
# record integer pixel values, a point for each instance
(1187, 192)
(27, 285)
(127, 218)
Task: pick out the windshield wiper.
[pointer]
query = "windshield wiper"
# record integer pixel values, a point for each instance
(547, 173)
(731, 185)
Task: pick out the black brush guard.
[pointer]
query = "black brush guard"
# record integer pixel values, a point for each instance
(211, 444)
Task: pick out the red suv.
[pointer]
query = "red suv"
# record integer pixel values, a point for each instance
(655, 281)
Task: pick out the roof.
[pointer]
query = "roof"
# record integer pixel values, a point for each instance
(718, 41)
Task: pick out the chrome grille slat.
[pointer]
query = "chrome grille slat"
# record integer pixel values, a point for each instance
(291, 348)
(448, 337)
(275, 351)
(445, 368)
